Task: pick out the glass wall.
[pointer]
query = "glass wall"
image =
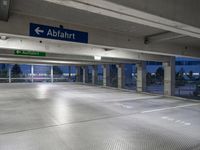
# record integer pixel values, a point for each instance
(154, 77)
(4, 73)
(89, 76)
(60, 73)
(113, 76)
(36, 73)
(72, 73)
(100, 75)
(42, 73)
(130, 76)
(81, 75)
(188, 78)
(187, 75)
(21, 73)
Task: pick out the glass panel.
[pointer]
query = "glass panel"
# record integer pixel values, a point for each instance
(4, 70)
(188, 78)
(4, 73)
(64, 73)
(81, 74)
(21, 73)
(155, 78)
(130, 77)
(73, 74)
(42, 73)
(89, 76)
(113, 76)
(60, 73)
(100, 75)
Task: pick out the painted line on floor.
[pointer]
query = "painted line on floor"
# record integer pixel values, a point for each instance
(169, 108)
(132, 99)
(94, 119)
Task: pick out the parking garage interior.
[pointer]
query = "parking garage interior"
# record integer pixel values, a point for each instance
(99, 75)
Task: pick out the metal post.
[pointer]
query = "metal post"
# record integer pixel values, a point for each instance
(94, 74)
(9, 74)
(78, 73)
(51, 73)
(106, 75)
(84, 74)
(32, 73)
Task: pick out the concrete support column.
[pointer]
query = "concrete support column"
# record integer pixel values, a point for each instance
(141, 76)
(85, 74)
(106, 75)
(32, 73)
(9, 74)
(169, 77)
(51, 73)
(78, 73)
(94, 74)
(121, 76)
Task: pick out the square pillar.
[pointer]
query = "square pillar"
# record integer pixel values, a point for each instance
(32, 73)
(51, 73)
(85, 74)
(169, 77)
(78, 74)
(9, 74)
(106, 75)
(120, 75)
(94, 74)
(141, 77)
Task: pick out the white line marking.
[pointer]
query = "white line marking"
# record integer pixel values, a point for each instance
(181, 122)
(124, 106)
(168, 108)
(132, 99)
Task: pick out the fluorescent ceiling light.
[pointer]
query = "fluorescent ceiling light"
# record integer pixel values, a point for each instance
(3, 37)
(5, 3)
(97, 57)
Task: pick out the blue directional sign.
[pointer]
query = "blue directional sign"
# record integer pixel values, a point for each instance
(43, 31)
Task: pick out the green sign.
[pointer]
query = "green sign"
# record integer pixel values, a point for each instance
(30, 53)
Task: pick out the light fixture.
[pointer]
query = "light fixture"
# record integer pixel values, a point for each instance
(3, 37)
(97, 57)
(5, 3)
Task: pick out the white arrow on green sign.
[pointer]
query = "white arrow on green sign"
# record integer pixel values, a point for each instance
(30, 53)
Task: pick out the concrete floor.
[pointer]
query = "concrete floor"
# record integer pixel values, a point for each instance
(77, 117)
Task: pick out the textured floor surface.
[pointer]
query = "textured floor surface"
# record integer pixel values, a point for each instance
(78, 117)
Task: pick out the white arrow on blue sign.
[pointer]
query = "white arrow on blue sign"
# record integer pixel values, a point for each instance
(43, 31)
(38, 31)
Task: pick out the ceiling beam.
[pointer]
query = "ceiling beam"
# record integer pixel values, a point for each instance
(65, 58)
(114, 10)
(18, 28)
(162, 37)
(37, 61)
(77, 51)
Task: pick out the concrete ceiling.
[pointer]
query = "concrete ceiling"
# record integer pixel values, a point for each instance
(189, 41)
(138, 19)
(75, 16)
(180, 24)
(185, 11)
(51, 10)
